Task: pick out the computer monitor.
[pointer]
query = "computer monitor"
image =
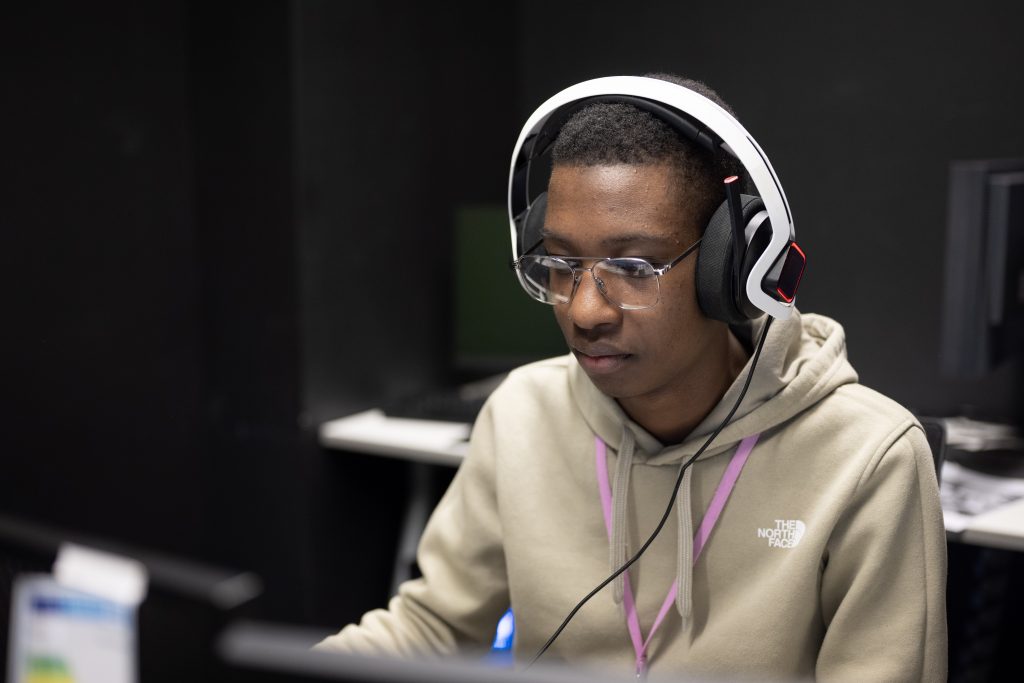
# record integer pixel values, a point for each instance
(267, 652)
(495, 325)
(983, 307)
(176, 625)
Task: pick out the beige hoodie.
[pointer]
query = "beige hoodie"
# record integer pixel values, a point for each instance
(828, 560)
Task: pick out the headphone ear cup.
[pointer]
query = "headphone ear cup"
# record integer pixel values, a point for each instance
(532, 222)
(715, 276)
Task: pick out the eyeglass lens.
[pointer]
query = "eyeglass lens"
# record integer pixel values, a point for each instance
(626, 282)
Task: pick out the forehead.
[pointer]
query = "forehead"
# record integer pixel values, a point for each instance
(616, 202)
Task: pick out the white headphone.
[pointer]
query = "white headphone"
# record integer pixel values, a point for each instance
(768, 267)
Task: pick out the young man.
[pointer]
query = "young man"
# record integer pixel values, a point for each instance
(824, 556)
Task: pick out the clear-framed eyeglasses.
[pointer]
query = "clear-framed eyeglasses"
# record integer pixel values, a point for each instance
(627, 282)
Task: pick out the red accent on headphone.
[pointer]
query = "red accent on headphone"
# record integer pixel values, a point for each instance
(792, 273)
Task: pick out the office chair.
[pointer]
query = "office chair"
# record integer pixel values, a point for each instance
(935, 432)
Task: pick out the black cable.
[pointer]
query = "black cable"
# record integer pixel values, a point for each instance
(672, 498)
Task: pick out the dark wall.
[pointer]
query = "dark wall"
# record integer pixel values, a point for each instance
(400, 117)
(102, 343)
(153, 386)
(860, 107)
(257, 458)
(222, 224)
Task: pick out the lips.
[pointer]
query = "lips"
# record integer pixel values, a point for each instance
(600, 359)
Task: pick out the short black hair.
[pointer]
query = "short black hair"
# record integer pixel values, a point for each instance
(618, 133)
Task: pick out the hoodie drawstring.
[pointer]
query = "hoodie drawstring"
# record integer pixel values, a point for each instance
(620, 494)
(684, 564)
(613, 505)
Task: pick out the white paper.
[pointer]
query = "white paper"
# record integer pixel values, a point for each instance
(966, 493)
(113, 577)
(973, 435)
(61, 634)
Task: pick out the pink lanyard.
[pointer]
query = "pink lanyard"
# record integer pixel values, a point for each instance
(725, 486)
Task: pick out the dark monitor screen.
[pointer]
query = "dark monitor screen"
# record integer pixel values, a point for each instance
(496, 326)
(983, 306)
(185, 607)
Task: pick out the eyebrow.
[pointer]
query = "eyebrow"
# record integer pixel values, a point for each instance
(622, 239)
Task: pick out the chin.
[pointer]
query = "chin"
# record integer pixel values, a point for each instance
(614, 386)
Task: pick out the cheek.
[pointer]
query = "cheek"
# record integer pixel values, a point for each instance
(561, 314)
(680, 302)
(681, 323)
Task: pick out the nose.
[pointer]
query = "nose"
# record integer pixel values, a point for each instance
(589, 308)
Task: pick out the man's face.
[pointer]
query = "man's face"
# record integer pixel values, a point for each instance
(627, 210)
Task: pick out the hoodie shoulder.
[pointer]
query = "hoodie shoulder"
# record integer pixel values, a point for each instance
(855, 400)
(531, 383)
(860, 402)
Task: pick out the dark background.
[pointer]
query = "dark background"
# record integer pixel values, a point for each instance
(226, 222)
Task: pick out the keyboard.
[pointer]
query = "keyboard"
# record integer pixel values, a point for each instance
(454, 404)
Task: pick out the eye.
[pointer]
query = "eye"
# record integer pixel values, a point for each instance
(629, 267)
(553, 262)
(571, 261)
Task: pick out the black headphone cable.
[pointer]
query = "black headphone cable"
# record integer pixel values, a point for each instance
(672, 498)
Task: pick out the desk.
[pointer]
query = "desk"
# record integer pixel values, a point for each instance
(426, 441)
(983, 509)
(446, 443)
(1002, 527)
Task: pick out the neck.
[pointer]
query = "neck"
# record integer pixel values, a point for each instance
(672, 414)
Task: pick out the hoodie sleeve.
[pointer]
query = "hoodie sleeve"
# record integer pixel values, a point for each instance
(463, 592)
(883, 588)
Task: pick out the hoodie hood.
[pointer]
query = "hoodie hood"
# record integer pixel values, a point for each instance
(803, 360)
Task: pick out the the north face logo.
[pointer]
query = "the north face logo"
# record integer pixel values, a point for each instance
(785, 534)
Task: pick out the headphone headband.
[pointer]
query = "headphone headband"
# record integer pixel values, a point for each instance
(692, 115)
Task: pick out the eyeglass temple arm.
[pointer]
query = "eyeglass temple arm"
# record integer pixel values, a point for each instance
(677, 259)
(512, 263)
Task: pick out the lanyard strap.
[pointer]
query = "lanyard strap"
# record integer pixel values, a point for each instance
(725, 486)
